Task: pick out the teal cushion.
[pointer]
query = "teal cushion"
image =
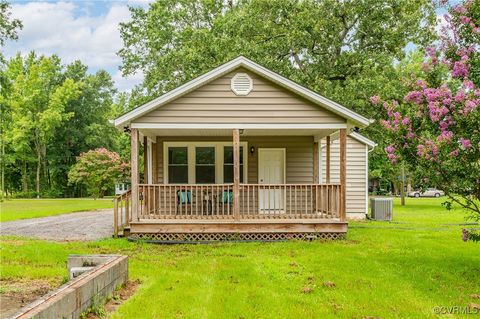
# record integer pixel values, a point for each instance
(227, 197)
(184, 197)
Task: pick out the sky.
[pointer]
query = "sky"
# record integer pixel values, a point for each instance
(75, 30)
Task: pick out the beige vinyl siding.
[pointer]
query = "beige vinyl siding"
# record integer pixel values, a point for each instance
(215, 103)
(356, 172)
(299, 155)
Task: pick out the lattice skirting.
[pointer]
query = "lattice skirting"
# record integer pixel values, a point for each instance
(215, 237)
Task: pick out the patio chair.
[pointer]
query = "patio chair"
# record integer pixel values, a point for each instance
(226, 200)
(184, 198)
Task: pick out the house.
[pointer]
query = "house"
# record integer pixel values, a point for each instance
(242, 153)
(121, 187)
(358, 148)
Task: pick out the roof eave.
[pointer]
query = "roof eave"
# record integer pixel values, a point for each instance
(359, 137)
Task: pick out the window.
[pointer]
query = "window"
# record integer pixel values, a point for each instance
(202, 162)
(205, 165)
(228, 164)
(178, 165)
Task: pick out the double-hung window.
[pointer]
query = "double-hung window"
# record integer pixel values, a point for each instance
(178, 165)
(202, 162)
(205, 165)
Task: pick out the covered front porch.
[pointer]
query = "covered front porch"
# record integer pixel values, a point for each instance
(223, 183)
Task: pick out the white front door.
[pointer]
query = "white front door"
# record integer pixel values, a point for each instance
(271, 170)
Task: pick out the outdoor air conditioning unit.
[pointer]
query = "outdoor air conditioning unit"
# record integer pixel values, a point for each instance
(382, 208)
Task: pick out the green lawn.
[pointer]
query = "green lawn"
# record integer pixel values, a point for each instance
(33, 208)
(379, 271)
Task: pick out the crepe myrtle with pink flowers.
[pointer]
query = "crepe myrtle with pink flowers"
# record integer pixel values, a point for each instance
(98, 170)
(436, 127)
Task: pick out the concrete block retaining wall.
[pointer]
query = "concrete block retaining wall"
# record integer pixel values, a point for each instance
(90, 288)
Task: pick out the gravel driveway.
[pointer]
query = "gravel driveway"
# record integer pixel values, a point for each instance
(90, 225)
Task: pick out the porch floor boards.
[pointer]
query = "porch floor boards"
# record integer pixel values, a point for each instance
(243, 226)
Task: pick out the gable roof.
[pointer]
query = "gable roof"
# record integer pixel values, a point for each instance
(254, 67)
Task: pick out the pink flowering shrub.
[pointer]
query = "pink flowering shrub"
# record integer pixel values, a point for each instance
(98, 170)
(436, 127)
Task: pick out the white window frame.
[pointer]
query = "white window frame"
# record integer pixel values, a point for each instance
(191, 146)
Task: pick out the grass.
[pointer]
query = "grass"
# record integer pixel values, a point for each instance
(33, 208)
(379, 271)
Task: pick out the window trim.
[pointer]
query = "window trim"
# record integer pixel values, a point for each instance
(218, 145)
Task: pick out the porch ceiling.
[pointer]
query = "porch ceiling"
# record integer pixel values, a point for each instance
(317, 133)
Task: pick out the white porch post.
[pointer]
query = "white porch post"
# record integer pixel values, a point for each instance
(236, 174)
(343, 174)
(135, 173)
(327, 161)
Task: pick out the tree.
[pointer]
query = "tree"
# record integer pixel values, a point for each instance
(342, 49)
(345, 50)
(8, 26)
(380, 166)
(98, 170)
(77, 106)
(8, 30)
(87, 129)
(437, 125)
(38, 98)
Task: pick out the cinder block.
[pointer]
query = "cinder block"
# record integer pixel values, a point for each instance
(73, 298)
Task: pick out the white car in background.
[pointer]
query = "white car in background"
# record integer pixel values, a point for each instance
(429, 192)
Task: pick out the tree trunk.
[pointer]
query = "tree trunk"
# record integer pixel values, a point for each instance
(394, 188)
(46, 174)
(24, 176)
(2, 167)
(402, 186)
(37, 179)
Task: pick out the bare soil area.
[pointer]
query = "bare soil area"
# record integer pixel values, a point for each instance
(17, 294)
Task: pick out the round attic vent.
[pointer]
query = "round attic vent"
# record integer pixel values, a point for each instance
(241, 84)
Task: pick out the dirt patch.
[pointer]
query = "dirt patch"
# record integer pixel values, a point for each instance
(119, 297)
(83, 226)
(17, 294)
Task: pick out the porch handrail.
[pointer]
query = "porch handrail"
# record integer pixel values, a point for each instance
(122, 207)
(256, 201)
(290, 201)
(187, 201)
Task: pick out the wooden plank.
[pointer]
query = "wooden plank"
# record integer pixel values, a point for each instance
(134, 171)
(235, 227)
(127, 210)
(327, 165)
(236, 173)
(115, 217)
(315, 163)
(343, 173)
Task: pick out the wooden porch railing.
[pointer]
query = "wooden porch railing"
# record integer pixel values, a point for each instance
(122, 209)
(289, 201)
(165, 201)
(257, 201)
